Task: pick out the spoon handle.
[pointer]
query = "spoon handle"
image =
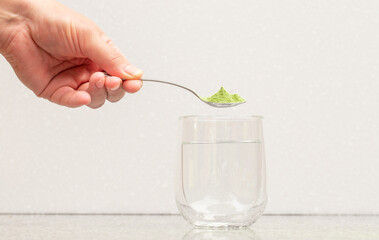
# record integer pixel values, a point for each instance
(170, 83)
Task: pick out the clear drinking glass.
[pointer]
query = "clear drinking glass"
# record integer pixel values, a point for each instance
(221, 180)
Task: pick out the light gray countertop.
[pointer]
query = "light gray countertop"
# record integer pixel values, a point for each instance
(170, 227)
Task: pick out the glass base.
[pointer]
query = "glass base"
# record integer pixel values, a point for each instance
(225, 222)
(220, 225)
(218, 234)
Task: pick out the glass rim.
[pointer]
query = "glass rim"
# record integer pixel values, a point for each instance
(220, 117)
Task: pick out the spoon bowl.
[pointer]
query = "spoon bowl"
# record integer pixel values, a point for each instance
(222, 105)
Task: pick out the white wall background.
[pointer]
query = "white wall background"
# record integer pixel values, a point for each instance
(310, 67)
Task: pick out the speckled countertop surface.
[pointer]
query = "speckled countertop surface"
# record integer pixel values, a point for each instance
(146, 227)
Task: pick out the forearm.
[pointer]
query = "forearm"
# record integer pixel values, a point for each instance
(13, 18)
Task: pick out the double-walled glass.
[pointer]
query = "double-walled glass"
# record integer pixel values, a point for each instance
(221, 180)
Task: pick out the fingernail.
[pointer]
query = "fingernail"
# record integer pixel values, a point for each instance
(99, 84)
(115, 88)
(131, 70)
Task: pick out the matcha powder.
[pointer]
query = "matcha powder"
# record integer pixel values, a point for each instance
(223, 96)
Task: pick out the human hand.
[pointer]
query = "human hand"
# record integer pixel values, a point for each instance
(60, 54)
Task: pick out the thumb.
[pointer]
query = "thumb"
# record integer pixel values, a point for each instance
(104, 53)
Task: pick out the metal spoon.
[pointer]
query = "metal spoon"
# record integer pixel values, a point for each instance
(213, 104)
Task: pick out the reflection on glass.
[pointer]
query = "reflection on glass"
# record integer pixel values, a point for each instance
(202, 234)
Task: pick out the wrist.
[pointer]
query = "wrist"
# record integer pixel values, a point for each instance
(13, 18)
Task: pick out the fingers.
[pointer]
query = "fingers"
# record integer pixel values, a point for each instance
(65, 89)
(114, 89)
(102, 51)
(103, 88)
(95, 87)
(132, 86)
(92, 93)
(69, 97)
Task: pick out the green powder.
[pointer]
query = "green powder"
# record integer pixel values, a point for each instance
(223, 96)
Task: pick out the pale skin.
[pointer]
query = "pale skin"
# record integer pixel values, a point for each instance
(60, 54)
